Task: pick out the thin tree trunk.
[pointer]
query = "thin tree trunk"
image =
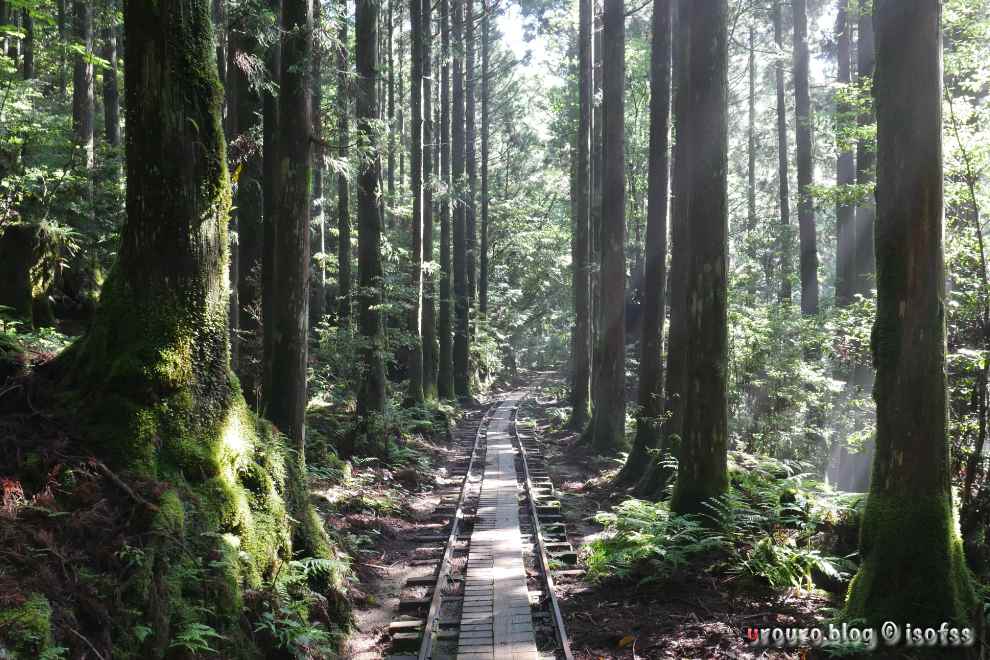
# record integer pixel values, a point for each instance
(805, 164)
(62, 19)
(287, 402)
(470, 156)
(250, 203)
(595, 263)
(429, 159)
(318, 271)
(270, 191)
(445, 370)
(343, 187)
(390, 160)
(462, 365)
(607, 429)
(651, 402)
(485, 136)
(414, 365)
(371, 397)
(845, 172)
(865, 164)
(581, 385)
(910, 545)
(28, 60)
(785, 241)
(82, 86)
(751, 157)
(702, 129)
(111, 94)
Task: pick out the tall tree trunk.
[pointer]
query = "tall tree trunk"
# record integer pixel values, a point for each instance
(702, 128)
(371, 397)
(913, 567)
(318, 237)
(470, 157)
(751, 155)
(414, 365)
(249, 201)
(287, 402)
(392, 146)
(429, 159)
(595, 263)
(82, 85)
(462, 360)
(270, 192)
(805, 164)
(343, 186)
(785, 242)
(845, 171)
(581, 385)
(445, 369)
(486, 9)
(608, 423)
(654, 302)
(865, 164)
(62, 20)
(111, 95)
(27, 20)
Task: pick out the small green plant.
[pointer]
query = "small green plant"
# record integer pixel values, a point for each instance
(195, 638)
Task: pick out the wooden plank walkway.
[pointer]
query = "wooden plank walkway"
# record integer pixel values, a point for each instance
(496, 623)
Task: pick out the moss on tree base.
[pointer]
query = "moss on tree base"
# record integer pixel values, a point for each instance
(913, 568)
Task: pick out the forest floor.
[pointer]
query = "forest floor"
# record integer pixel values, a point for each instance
(696, 614)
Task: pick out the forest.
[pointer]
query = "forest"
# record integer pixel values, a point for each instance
(494, 329)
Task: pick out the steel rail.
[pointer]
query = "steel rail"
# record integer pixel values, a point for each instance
(431, 626)
(559, 629)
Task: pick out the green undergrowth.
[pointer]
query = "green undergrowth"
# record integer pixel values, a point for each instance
(776, 525)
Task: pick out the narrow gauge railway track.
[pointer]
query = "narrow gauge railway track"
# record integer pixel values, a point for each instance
(493, 544)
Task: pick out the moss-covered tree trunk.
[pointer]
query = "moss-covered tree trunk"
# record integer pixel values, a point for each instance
(913, 569)
(150, 384)
(445, 368)
(608, 421)
(702, 130)
(581, 282)
(371, 396)
(651, 402)
(287, 399)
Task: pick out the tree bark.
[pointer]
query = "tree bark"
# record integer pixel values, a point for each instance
(462, 360)
(270, 191)
(785, 242)
(845, 171)
(913, 567)
(807, 234)
(429, 333)
(471, 162)
(702, 128)
(581, 283)
(654, 303)
(318, 233)
(287, 401)
(27, 62)
(249, 201)
(111, 94)
(486, 9)
(865, 274)
(445, 369)
(414, 359)
(371, 397)
(608, 422)
(82, 83)
(343, 186)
